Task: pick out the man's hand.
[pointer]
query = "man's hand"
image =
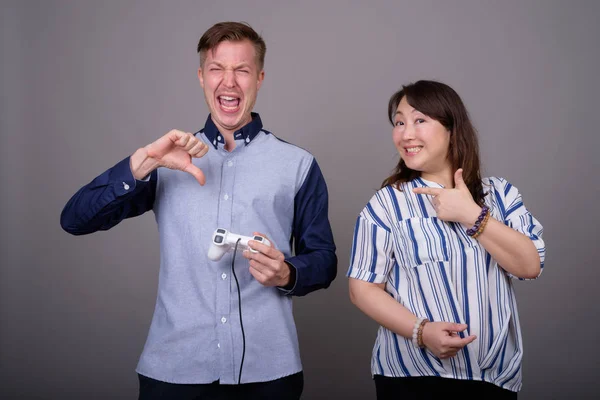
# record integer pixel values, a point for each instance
(441, 338)
(453, 205)
(174, 151)
(268, 267)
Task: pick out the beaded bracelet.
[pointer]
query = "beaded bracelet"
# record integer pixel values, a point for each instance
(484, 212)
(417, 336)
(482, 226)
(416, 331)
(420, 333)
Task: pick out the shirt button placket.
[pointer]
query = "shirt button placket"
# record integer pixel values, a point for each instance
(223, 305)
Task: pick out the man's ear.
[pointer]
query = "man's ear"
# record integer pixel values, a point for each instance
(200, 77)
(261, 78)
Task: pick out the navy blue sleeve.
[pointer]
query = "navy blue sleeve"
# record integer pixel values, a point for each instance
(107, 200)
(315, 262)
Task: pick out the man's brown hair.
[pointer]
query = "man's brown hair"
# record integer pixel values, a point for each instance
(232, 32)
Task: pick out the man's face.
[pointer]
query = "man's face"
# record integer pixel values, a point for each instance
(231, 78)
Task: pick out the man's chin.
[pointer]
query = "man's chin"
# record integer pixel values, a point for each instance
(234, 121)
(230, 124)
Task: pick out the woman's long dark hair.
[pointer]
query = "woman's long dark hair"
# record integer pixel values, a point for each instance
(440, 102)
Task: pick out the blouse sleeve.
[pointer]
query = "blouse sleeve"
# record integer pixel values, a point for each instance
(371, 257)
(518, 217)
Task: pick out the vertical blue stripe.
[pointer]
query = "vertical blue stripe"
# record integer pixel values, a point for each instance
(501, 366)
(429, 316)
(379, 359)
(490, 326)
(354, 240)
(442, 237)
(376, 218)
(420, 200)
(422, 293)
(396, 276)
(399, 355)
(517, 370)
(500, 204)
(395, 202)
(456, 317)
(425, 356)
(373, 268)
(414, 241)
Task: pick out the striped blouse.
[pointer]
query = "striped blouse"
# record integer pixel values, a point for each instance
(435, 270)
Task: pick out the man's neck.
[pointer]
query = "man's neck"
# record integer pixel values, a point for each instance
(229, 141)
(228, 133)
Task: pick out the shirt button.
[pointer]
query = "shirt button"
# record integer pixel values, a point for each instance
(229, 163)
(219, 345)
(219, 138)
(226, 197)
(125, 186)
(247, 140)
(223, 320)
(224, 276)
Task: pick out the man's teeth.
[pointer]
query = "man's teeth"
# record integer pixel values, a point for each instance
(413, 149)
(229, 102)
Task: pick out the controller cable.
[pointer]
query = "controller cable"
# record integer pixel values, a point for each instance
(240, 308)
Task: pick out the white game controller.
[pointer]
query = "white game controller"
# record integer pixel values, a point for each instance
(223, 241)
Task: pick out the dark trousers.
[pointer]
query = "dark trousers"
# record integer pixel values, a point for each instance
(286, 388)
(433, 387)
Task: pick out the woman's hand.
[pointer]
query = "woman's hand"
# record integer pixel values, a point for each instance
(453, 205)
(442, 338)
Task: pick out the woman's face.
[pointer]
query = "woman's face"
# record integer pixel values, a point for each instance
(421, 141)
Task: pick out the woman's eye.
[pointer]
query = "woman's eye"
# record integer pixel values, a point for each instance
(420, 121)
(398, 123)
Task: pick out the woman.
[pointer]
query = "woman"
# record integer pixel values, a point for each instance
(433, 257)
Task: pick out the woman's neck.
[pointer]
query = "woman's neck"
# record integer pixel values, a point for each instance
(444, 178)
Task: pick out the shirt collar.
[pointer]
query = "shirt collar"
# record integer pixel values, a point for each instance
(247, 132)
(426, 183)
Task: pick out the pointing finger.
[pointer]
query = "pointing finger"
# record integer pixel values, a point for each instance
(429, 191)
(458, 342)
(454, 327)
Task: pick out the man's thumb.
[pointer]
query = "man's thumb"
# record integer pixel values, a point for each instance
(196, 173)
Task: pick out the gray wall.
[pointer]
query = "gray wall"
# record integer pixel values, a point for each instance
(86, 83)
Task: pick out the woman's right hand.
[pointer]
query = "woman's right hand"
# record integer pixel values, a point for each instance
(442, 338)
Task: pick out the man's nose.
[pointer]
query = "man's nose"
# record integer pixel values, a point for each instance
(229, 78)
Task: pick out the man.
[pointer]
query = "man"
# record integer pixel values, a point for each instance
(240, 178)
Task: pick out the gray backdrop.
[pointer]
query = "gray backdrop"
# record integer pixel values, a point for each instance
(85, 83)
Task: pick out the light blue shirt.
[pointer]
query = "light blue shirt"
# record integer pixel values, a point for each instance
(264, 185)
